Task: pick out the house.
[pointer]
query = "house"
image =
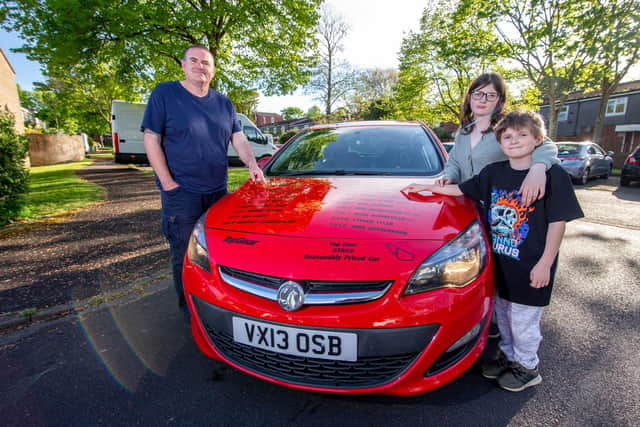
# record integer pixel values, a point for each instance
(9, 98)
(283, 126)
(262, 119)
(621, 127)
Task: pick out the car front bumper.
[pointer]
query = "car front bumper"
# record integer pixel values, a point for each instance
(405, 344)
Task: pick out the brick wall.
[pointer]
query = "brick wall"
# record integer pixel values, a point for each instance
(9, 99)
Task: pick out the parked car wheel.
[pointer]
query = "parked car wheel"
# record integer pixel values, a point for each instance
(584, 178)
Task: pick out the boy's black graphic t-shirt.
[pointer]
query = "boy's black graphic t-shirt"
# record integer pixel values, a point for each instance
(518, 233)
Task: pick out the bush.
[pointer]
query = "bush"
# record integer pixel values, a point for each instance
(285, 136)
(13, 176)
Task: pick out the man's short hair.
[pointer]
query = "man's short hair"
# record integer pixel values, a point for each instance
(522, 119)
(195, 46)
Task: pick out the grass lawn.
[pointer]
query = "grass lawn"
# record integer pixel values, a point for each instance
(56, 189)
(237, 177)
(100, 155)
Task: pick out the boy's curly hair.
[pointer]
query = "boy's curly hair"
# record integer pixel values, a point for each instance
(519, 119)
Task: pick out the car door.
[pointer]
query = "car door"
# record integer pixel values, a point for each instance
(595, 160)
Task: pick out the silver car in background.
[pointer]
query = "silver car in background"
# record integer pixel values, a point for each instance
(584, 160)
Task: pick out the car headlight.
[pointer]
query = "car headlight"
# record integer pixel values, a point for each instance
(197, 251)
(454, 265)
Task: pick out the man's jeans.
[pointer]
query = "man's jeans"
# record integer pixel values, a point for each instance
(180, 211)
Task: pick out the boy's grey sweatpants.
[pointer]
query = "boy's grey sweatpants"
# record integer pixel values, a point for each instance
(520, 336)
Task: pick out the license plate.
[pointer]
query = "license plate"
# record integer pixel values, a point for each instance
(296, 341)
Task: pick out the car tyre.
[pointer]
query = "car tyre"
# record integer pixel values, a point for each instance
(584, 178)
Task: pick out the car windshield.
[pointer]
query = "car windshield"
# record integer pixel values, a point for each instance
(359, 150)
(569, 149)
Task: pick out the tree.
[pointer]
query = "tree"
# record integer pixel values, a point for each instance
(614, 26)
(314, 113)
(547, 38)
(438, 63)
(258, 44)
(373, 93)
(292, 113)
(13, 176)
(332, 78)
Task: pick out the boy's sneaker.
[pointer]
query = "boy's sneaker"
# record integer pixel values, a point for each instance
(493, 368)
(494, 332)
(517, 378)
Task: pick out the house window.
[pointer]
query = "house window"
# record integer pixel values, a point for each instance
(563, 114)
(616, 107)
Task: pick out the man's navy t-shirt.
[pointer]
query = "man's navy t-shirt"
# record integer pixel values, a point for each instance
(195, 134)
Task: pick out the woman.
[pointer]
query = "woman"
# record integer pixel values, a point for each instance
(476, 145)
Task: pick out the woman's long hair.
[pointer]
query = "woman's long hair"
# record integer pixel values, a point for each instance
(467, 121)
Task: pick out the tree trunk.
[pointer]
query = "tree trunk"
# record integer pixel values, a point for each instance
(553, 117)
(606, 88)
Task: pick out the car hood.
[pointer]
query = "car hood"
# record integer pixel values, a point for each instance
(353, 207)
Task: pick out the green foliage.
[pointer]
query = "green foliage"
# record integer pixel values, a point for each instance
(438, 63)
(550, 40)
(266, 45)
(612, 30)
(285, 136)
(292, 113)
(13, 175)
(314, 113)
(245, 101)
(373, 96)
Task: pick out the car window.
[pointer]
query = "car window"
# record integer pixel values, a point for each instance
(370, 150)
(599, 150)
(568, 149)
(591, 150)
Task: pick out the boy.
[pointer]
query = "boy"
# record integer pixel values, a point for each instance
(525, 243)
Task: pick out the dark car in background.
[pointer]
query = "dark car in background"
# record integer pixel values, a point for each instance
(631, 169)
(585, 160)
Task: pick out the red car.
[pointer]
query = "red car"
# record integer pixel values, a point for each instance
(328, 278)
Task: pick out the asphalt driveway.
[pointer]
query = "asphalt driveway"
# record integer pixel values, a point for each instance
(97, 250)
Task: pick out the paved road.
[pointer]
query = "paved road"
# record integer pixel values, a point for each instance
(100, 249)
(134, 363)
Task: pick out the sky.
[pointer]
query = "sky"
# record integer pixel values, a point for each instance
(376, 31)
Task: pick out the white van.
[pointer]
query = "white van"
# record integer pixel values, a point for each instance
(128, 145)
(260, 143)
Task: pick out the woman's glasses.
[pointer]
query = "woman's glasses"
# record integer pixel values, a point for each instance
(489, 96)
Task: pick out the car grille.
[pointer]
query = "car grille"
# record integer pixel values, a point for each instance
(312, 286)
(366, 372)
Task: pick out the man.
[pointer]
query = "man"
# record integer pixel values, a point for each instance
(187, 128)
